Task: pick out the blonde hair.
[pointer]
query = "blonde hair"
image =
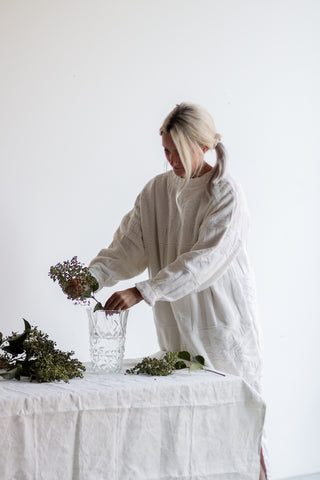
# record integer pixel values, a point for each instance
(192, 128)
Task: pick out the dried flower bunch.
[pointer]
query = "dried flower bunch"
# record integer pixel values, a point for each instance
(76, 281)
(34, 355)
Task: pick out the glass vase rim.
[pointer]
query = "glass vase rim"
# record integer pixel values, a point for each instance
(91, 309)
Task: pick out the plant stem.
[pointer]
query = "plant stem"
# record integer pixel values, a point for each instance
(94, 298)
(214, 371)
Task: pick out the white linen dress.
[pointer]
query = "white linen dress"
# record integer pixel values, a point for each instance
(201, 285)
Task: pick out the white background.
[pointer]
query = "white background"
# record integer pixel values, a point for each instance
(85, 86)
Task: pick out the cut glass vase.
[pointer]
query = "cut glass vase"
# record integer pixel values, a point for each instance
(107, 331)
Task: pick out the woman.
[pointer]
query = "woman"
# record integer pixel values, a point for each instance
(189, 228)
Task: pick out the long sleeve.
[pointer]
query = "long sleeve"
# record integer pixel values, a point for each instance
(221, 236)
(126, 256)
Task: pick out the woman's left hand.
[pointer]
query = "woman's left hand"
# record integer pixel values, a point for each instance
(124, 299)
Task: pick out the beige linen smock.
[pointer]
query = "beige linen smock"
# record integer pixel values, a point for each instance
(201, 285)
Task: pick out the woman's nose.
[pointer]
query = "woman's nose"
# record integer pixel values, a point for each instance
(175, 159)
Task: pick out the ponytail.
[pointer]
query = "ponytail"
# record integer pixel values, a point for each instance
(221, 162)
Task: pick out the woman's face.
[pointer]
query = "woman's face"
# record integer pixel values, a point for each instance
(173, 157)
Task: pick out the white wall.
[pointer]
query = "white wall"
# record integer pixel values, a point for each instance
(84, 88)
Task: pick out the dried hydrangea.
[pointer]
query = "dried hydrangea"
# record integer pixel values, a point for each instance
(34, 355)
(75, 280)
(156, 366)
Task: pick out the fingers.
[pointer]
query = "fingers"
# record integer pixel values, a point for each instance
(114, 302)
(118, 301)
(124, 299)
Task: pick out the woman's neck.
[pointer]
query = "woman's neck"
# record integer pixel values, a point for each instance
(205, 168)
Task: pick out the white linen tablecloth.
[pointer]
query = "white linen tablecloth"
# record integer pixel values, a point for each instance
(197, 426)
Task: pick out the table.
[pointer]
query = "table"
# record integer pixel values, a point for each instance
(197, 426)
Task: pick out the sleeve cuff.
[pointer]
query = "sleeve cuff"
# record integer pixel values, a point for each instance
(147, 292)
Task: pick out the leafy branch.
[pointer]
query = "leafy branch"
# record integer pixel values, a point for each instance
(168, 363)
(34, 355)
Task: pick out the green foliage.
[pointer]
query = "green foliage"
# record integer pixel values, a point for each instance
(195, 366)
(34, 355)
(76, 281)
(155, 366)
(15, 342)
(98, 307)
(185, 356)
(167, 364)
(180, 365)
(199, 359)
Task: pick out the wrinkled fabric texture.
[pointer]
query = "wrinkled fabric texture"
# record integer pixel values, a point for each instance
(200, 285)
(197, 426)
